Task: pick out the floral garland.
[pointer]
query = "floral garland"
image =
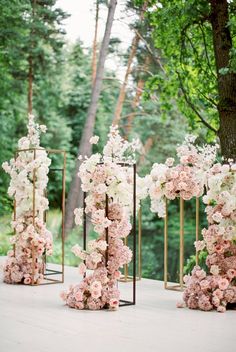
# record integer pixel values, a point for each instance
(217, 288)
(101, 176)
(31, 239)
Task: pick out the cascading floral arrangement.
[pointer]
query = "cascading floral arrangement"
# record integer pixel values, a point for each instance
(198, 173)
(216, 288)
(31, 238)
(104, 175)
(186, 180)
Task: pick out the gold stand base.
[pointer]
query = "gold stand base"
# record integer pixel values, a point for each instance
(174, 287)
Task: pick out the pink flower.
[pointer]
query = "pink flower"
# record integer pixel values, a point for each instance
(221, 309)
(27, 280)
(205, 285)
(180, 305)
(218, 293)
(96, 293)
(223, 284)
(231, 273)
(113, 303)
(96, 285)
(82, 268)
(78, 295)
(63, 295)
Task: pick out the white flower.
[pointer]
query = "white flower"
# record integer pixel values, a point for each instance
(43, 128)
(215, 270)
(94, 140)
(79, 212)
(101, 188)
(217, 217)
(170, 161)
(199, 245)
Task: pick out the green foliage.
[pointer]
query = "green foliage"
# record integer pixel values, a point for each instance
(183, 34)
(191, 262)
(179, 51)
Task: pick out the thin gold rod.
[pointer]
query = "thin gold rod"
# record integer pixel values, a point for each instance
(166, 245)
(197, 226)
(14, 217)
(181, 244)
(63, 214)
(32, 248)
(140, 243)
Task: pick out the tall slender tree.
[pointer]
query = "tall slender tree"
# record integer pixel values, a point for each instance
(75, 195)
(133, 50)
(95, 39)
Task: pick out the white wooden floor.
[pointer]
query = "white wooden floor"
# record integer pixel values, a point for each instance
(34, 319)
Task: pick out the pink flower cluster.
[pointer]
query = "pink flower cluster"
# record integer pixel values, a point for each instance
(217, 288)
(185, 180)
(31, 240)
(207, 292)
(103, 176)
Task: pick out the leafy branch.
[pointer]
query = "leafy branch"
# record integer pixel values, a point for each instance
(192, 106)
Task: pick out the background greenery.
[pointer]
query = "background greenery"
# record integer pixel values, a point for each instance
(62, 88)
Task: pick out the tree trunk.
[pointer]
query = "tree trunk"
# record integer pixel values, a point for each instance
(30, 64)
(94, 57)
(85, 148)
(30, 85)
(121, 98)
(146, 148)
(134, 105)
(134, 45)
(222, 42)
(136, 100)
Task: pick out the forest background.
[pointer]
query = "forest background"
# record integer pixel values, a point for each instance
(175, 75)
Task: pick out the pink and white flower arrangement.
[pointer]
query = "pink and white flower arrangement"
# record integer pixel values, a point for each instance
(31, 238)
(103, 176)
(186, 179)
(217, 288)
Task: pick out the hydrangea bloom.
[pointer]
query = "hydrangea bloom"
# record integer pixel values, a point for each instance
(31, 239)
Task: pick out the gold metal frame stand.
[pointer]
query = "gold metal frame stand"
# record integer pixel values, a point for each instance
(180, 285)
(48, 273)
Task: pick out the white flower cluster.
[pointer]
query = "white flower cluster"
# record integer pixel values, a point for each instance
(31, 238)
(186, 180)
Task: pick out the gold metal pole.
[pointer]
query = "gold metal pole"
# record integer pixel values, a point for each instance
(14, 217)
(166, 245)
(181, 244)
(63, 215)
(32, 248)
(140, 243)
(197, 226)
